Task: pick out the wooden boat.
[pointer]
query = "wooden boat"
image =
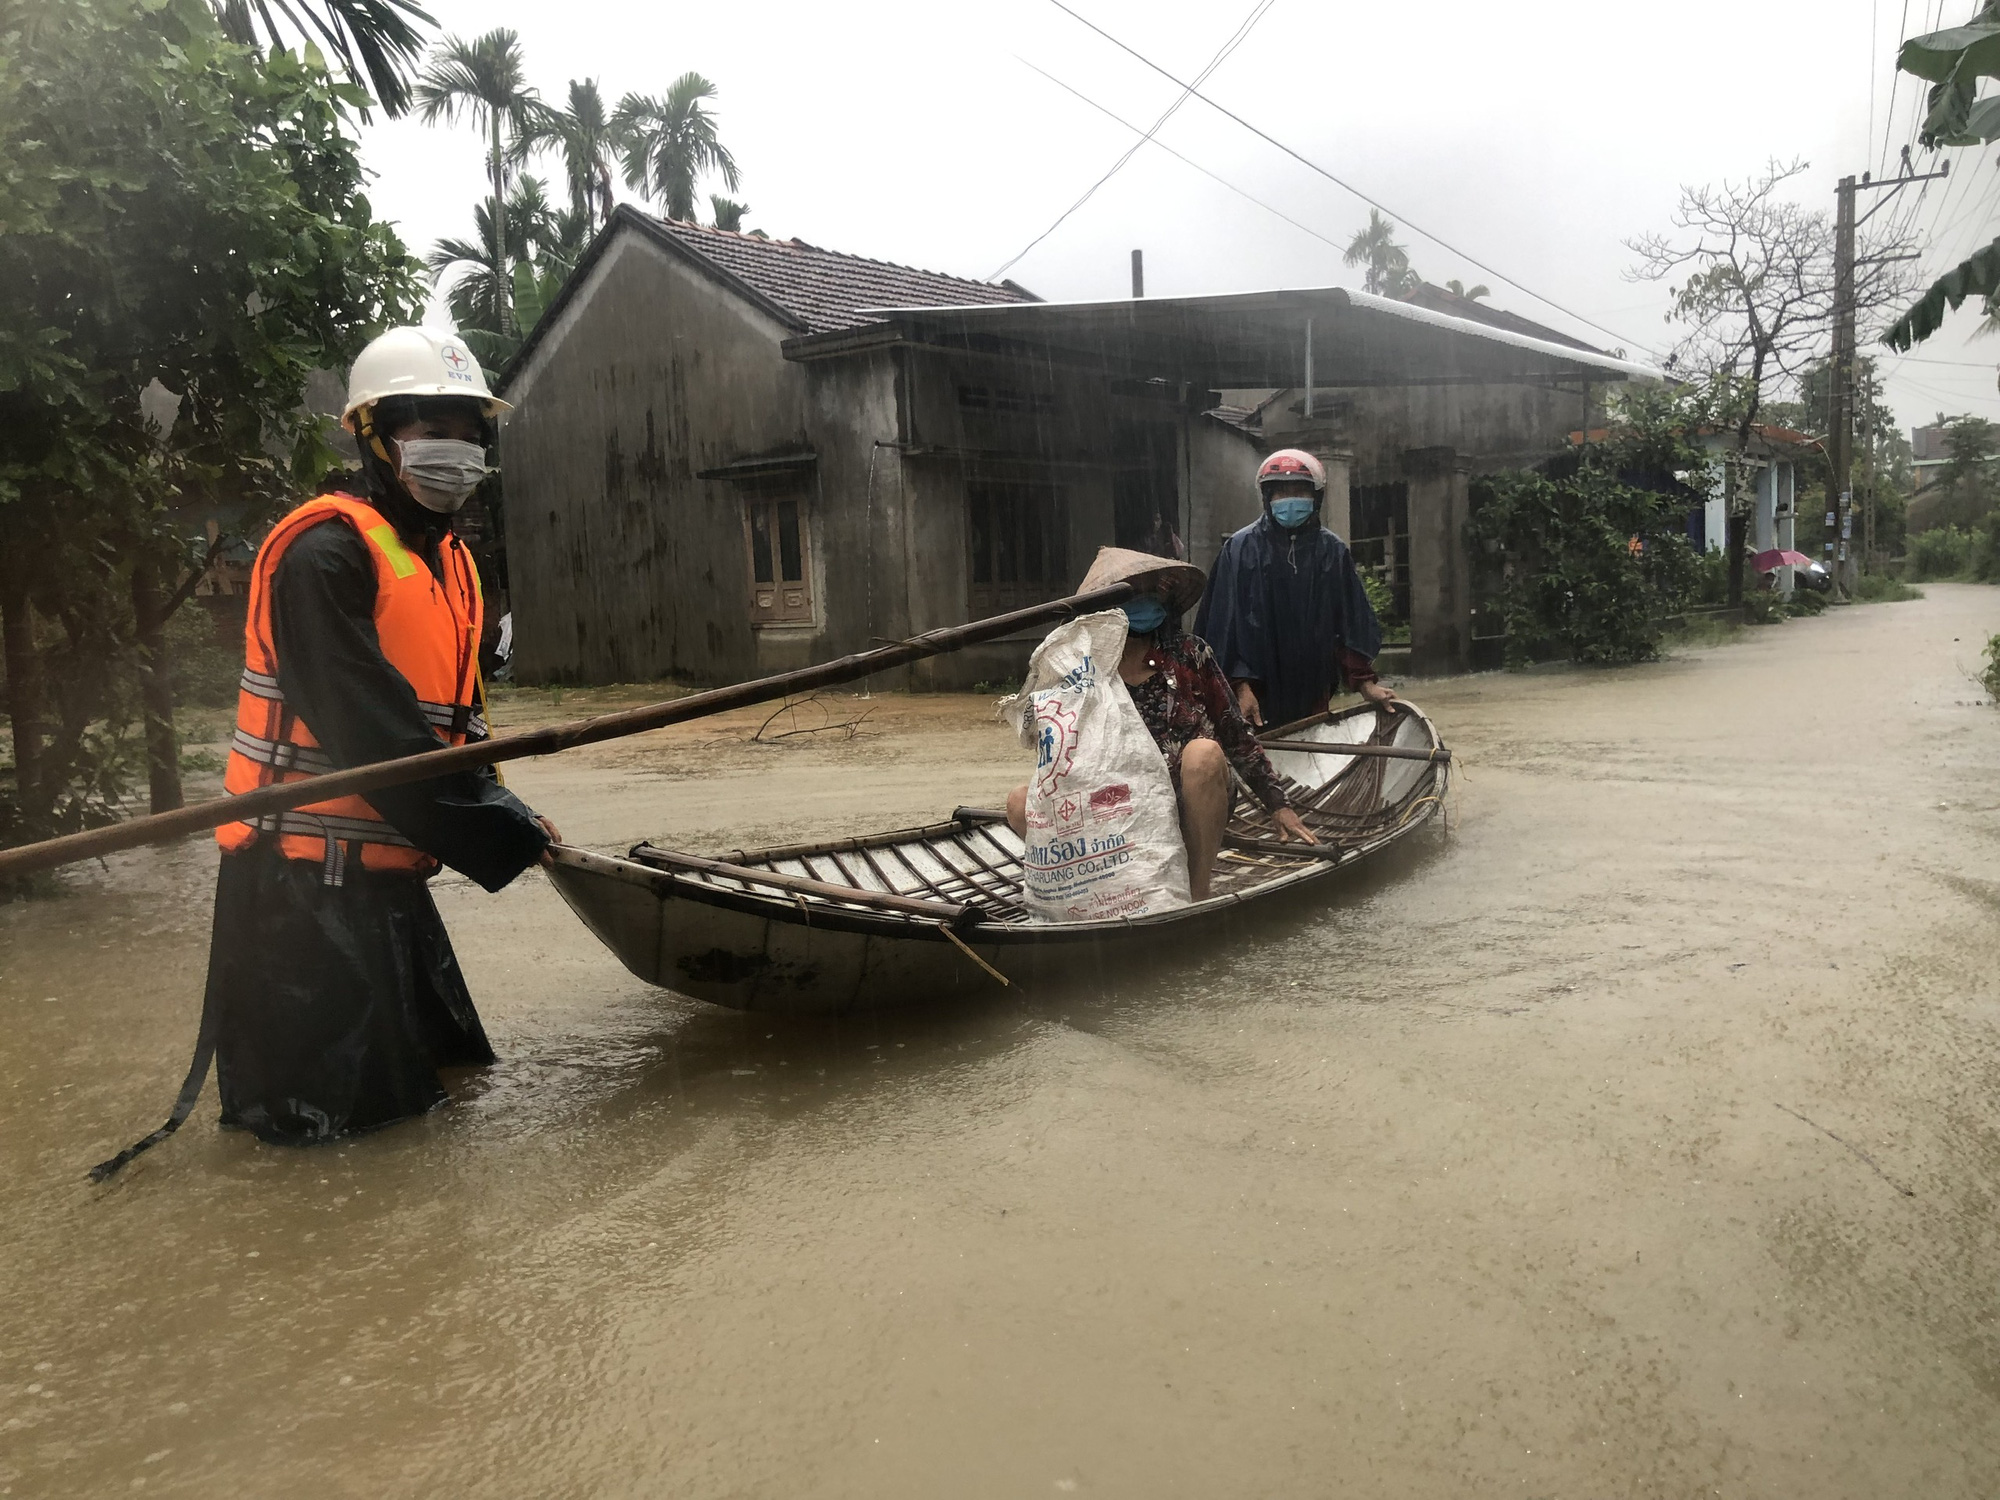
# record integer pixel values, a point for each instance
(934, 912)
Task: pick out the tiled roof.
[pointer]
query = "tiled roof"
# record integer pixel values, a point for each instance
(821, 289)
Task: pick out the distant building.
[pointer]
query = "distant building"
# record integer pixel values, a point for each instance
(731, 455)
(1772, 457)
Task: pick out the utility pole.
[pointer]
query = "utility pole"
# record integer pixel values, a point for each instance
(1840, 420)
(1138, 274)
(1840, 553)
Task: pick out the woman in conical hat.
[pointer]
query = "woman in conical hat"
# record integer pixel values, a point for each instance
(1188, 706)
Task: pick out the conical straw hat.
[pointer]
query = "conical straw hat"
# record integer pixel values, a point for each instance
(1179, 583)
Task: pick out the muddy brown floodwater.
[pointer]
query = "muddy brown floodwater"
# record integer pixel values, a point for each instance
(1636, 1137)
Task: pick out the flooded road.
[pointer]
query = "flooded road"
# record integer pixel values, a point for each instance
(1639, 1136)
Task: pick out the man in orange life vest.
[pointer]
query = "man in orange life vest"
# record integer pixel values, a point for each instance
(333, 994)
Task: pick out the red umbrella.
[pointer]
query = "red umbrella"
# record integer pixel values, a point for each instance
(1776, 558)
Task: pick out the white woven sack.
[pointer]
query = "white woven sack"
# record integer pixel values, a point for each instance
(1104, 833)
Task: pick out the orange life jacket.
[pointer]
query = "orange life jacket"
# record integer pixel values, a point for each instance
(429, 631)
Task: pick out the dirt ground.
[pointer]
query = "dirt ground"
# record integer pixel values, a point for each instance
(1635, 1137)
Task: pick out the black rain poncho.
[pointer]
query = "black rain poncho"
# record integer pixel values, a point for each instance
(330, 1009)
(1280, 606)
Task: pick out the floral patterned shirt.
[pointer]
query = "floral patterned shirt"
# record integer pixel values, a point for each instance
(1187, 698)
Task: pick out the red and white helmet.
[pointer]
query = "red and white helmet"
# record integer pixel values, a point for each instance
(1293, 463)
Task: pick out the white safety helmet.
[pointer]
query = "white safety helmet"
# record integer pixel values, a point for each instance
(414, 362)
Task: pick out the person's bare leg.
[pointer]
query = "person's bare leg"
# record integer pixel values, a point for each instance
(1204, 810)
(1017, 810)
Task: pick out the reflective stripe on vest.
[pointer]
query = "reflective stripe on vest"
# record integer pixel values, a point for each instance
(428, 628)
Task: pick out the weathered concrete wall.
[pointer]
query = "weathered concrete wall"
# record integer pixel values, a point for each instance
(1436, 438)
(1490, 427)
(1061, 436)
(625, 565)
(1440, 564)
(1222, 485)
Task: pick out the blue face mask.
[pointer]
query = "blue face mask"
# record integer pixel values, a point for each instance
(1293, 510)
(1145, 614)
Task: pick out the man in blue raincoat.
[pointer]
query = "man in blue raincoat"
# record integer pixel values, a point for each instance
(1284, 610)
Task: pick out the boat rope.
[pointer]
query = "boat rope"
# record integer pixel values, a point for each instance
(963, 947)
(1411, 811)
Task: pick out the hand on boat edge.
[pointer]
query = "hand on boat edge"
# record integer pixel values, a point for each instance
(555, 837)
(1381, 695)
(1291, 826)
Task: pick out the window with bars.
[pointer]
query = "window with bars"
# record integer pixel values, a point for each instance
(780, 560)
(1016, 543)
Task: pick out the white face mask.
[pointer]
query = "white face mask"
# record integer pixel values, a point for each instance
(441, 473)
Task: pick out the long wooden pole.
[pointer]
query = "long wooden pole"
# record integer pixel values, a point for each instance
(1381, 752)
(134, 832)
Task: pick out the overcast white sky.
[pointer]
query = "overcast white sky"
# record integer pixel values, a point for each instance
(1537, 137)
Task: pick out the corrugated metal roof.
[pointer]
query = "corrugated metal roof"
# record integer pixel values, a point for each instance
(1256, 340)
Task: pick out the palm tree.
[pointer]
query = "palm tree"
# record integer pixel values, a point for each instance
(535, 230)
(1458, 289)
(668, 144)
(583, 135)
(495, 309)
(484, 81)
(728, 212)
(1375, 247)
(373, 37)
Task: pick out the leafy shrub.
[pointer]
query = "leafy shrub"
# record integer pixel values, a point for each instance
(1941, 552)
(1712, 579)
(1880, 588)
(207, 655)
(1805, 602)
(1574, 584)
(1381, 598)
(1991, 676)
(1764, 607)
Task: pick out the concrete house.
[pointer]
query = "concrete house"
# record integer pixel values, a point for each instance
(731, 456)
(1771, 460)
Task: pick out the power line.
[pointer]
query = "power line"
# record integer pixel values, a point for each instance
(1242, 34)
(1315, 167)
(1874, 36)
(1212, 176)
(1961, 364)
(1895, 81)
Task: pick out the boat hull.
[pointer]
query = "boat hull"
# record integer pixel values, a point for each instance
(769, 934)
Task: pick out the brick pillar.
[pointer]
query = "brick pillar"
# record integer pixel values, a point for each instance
(1440, 565)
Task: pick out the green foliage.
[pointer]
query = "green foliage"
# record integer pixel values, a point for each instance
(581, 134)
(1966, 485)
(1805, 602)
(1574, 583)
(1388, 272)
(173, 209)
(1764, 607)
(1711, 579)
(375, 39)
(543, 244)
(1940, 553)
(1953, 61)
(669, 143)
(1381, 598)
(1880, 588)
(207, 658)
(1990, 678)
